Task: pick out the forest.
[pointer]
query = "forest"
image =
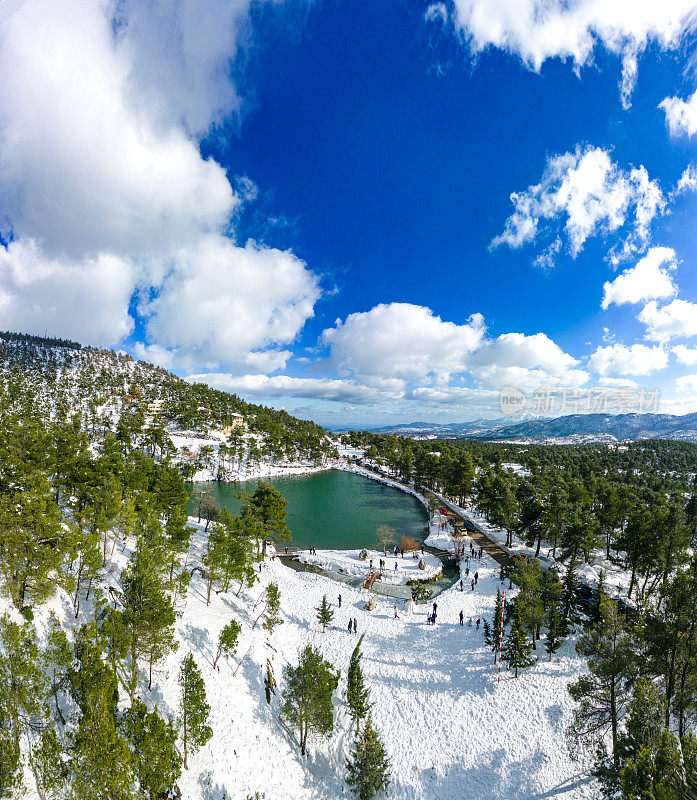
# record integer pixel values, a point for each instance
(634, 504)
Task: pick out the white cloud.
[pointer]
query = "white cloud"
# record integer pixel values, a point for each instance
(526, 362)
(181, 56)
(685, 355)
(537, 30)
(617, 383)
(686, 384)
(402, 340)
(86, 301)
(648, 280)
(672, 321)
(687, 181)
(344, 390)
(620, 359)
(222, 304)
(590, 194)
(100, 106)
(681, 115)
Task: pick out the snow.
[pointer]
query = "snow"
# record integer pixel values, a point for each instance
(348, 562)
(450, 729)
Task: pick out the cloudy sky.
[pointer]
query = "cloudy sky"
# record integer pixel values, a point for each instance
(363, 212)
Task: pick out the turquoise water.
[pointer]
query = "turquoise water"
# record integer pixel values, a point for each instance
(334, 509)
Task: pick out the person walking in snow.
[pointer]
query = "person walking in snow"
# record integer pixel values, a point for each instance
(355, 625)
(435, 607)
(396, 615)
(339, 601)
(462, 589)
(350, 625)
(476, 578)
(462, 618)
(469, 624)
(472, 584)
(467, 572)
(479, 619)
(395, 566)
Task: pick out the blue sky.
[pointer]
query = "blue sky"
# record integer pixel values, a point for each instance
(363, 213)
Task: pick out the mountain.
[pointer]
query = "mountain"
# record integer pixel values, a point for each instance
(100, 386)
(572, 428)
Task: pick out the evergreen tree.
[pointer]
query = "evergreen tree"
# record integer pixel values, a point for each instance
(32, 540)
(357, 695)
(148, 613)
(57, 658)
(492, 634)
(22, 682)
(325, 613)
(153, 741)
(273, 608)
(10, 760)
(555, 630)
(194, 709)
(227, 641)
(368, 767)
(100, 764)
(516, 649)
(603, 692)
(307, 699)
(46, 760)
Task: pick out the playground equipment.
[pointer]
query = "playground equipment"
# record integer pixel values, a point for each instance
(368, 582)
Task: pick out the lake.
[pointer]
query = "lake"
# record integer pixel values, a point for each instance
(333, 509)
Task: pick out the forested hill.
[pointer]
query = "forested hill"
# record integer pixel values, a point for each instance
(65, 379)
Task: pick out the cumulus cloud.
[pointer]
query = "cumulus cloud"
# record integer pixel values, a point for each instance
(526, 362)
(86, 301)
(648, 280)
(411, 343)
(686, 384)
(685, 355)
(537, 30)
(675, 320)
(221, 303)
(589, 194)
(101, 105)
(402, 340)
(681, 115)
(620, 359)
(344, 390)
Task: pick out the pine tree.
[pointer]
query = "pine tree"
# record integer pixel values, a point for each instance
(324, 614)
(555, 630)
(193, 707)
(227, 641)
(368, 767)
(307, 699)
(10, 761)
(57, 658)
(492, 635)
(357, 696)
(22, 682)
(603, 691)
(153, 742)
(148, 612)
(516, 650)
(100, 763)
(273, 608)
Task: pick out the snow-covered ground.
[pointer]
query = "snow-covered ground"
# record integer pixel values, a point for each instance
(450, 729)
(398, 570)
(188, 446)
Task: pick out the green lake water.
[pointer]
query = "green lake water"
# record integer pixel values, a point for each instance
(334, 509)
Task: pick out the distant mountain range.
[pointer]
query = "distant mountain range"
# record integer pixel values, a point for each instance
(573, 428)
